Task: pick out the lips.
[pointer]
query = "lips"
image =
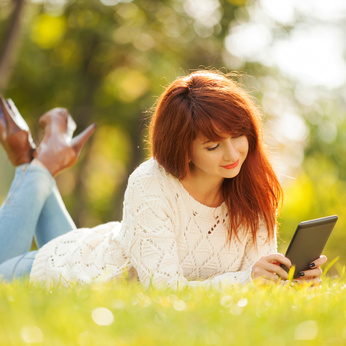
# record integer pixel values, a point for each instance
(232, 165)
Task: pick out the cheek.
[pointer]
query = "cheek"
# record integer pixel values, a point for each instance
(243, 147)
(206, 160)
(198, 157)
(246, 148)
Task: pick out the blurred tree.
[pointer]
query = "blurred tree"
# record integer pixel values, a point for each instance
(104, 61)
(108, 60)
(302, 90)
(10, 40)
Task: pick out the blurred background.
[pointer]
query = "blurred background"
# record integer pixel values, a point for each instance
(107, 61)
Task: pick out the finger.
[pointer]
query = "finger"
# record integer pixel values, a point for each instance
(312, 273)
(274, 268)
(318, 262)
(278, 258)
(261, 271)
(272, 264)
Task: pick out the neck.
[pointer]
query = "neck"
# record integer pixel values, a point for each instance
(206, 191)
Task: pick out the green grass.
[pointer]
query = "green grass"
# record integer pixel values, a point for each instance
(126, 314)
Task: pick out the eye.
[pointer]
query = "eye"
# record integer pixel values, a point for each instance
(213, 148)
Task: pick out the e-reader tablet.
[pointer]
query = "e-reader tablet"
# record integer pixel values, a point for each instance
(308, 242)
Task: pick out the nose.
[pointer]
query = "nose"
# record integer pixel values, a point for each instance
(231, 153)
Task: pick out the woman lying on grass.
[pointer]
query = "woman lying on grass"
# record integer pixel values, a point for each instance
(200, 212)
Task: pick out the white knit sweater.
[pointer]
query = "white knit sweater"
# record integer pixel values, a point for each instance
(166, 237)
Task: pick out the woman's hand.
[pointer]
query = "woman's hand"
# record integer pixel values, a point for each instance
(268, 269)
(314, 274)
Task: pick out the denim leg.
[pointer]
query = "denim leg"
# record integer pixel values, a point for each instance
(21, 209)
(18, 267)
(54, 219)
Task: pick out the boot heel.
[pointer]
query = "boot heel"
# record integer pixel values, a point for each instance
(15, 134)
(79, 141)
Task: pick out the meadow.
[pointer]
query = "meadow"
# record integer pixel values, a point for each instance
(124, 313)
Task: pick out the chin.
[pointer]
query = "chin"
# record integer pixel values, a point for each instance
(231, 175)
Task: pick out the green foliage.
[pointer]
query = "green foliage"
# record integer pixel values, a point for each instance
(318, 189)
(108, 64)
(124, 313)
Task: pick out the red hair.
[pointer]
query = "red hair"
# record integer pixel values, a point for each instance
(210, 104)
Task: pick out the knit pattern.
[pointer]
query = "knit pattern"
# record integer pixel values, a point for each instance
(166, 238)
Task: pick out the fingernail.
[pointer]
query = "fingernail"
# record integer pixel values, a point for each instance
(301, 274)
(311, 265)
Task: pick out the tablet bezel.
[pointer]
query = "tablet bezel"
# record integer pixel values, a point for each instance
(303, 248)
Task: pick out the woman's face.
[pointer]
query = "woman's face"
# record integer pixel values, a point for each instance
(219, 160)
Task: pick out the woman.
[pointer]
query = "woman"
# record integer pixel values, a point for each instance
(200, 212)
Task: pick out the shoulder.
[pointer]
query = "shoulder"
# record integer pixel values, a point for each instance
(146, 169)
(151, 179)
(150, 171)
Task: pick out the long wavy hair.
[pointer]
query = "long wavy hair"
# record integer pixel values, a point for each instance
(211, 104)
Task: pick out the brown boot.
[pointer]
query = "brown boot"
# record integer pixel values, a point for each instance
(58, 150)
(15, 135)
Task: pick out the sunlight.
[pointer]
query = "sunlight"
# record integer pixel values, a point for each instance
(292, 127)
(207, 12)
(281, 11)
(312, 53)
(249, 41)
(324, 10)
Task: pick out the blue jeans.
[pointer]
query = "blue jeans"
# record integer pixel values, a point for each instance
(32, 208)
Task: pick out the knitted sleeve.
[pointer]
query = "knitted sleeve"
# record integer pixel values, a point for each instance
(264, 247)
(152, 225)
